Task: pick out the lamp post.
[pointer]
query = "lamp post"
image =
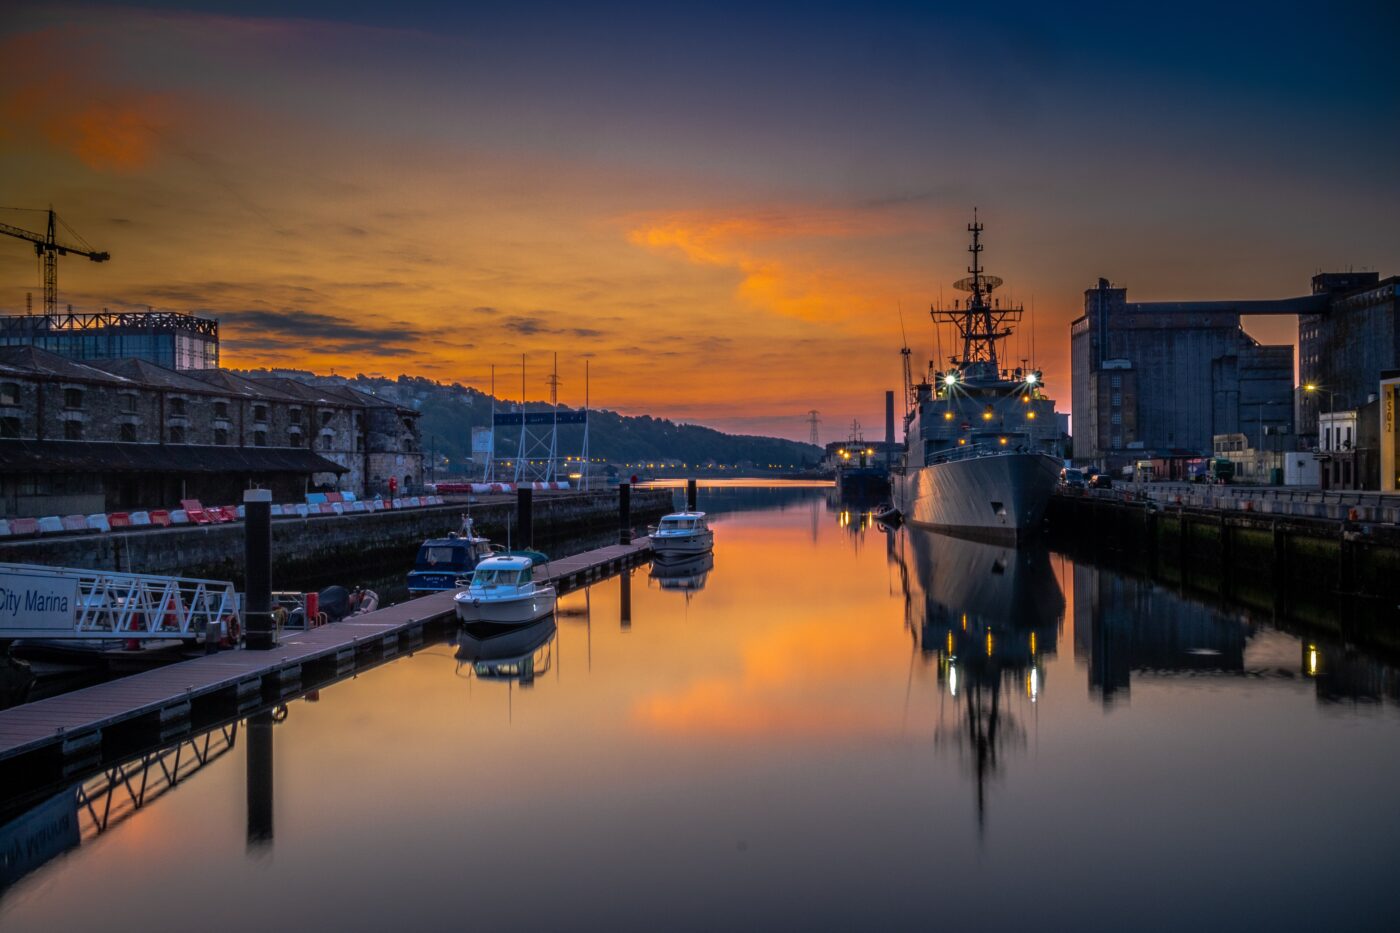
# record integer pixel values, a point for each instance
(1331, 407)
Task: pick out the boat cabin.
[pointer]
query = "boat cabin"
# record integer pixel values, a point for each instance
(497, 574)
(681, 522)
(451, 554)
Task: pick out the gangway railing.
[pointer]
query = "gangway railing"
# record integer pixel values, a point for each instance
(38, 601)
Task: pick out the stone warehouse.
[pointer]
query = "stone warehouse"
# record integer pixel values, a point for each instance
(114, 435)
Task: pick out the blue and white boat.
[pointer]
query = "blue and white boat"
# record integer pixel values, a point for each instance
(441, 561)
(503, 592)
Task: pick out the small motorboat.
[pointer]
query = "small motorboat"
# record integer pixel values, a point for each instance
(441, 561)
(682, 534)
(502, 591)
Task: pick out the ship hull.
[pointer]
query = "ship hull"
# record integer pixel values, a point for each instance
(999, 498)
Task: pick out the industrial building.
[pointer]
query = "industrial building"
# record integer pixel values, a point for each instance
(1345, 347)
(166, 338)
(1162, 379)
(115, 435)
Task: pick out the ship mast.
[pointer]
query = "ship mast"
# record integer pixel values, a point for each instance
(982, 321)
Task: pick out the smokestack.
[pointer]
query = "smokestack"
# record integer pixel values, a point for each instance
(889, 417)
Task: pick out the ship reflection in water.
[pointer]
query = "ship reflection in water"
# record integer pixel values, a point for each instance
(685, 574)
(515, 656)
(988, 616)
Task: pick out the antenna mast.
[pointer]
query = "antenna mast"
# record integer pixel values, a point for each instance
(980, 322)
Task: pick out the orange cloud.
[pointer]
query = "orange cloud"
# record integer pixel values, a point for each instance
(72, 109)
(802, 284)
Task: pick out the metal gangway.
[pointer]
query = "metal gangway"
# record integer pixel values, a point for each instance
(62, 603)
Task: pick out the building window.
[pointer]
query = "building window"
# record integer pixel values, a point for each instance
(1348, 441)
(1117, 418)
(259, 412)
(1116, 442)
(295, 415)
(9, 393)
(221, 436)
(259, 438)
(221, 409)
(72, 398)
(127, 433)
(73, 430)
(177, 435)
(1116, 400)
(326, 418)
(1327, 439)
(1116, 382)
(129, 403)
(297, 439)
(177, 406)
(9, 427)
(327, 440)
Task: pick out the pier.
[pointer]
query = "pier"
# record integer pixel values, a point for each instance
(51, 739)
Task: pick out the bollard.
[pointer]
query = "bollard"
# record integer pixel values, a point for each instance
(259, 733)
(257, 569)
(692, 495)
(312, 609)
(624, 512)
(525, 516)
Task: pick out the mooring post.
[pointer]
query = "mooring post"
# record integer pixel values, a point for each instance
(624, 512)
(257, 569)
(525, 516)
(259, 736)
(692, 495)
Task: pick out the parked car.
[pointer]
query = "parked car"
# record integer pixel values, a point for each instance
(1072, 478)
(1100, 481)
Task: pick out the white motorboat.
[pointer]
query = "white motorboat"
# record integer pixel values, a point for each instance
(503, 592)
(682, 534)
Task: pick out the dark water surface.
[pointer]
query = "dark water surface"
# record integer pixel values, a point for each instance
(830, 728)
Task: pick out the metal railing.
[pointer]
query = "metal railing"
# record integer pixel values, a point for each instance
(86, 604)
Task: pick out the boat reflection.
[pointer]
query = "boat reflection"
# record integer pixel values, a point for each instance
(515, 656)
(988, 617)
(686, 574)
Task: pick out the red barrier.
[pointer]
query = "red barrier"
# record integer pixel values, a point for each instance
(119, 520)
(160, 517)
(195, 510)
(24, 526)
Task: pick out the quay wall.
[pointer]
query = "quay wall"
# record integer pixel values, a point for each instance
(1300, 567)
(352, 543)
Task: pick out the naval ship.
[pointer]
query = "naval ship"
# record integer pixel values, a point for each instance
(981, 439)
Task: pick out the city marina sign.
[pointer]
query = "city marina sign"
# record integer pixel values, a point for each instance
(37, 602)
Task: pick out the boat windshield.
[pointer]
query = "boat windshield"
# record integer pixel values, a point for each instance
(441, 557)
(677, 524)
(500, 577)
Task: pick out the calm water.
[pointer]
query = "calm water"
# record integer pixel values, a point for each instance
(831, 727)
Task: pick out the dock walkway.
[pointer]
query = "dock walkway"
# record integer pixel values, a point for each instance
(68, 731)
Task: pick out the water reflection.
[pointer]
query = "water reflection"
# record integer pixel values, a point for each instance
(517, 656)
(685, 574)
(1122, 625)
(987, 617)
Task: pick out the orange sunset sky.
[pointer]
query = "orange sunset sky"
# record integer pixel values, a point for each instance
(723, 209)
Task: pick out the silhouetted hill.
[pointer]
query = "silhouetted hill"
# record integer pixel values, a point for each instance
(449, 412)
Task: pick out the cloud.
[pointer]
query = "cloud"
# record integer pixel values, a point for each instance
(313, 324)
(530, 325)
(777, 252)
(74, 106)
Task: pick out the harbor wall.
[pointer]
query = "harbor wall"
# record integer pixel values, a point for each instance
(1320, 571)
(350, 544)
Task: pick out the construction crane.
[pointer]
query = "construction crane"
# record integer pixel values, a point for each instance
(48, 249)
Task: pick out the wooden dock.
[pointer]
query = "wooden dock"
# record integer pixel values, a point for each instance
(69, 732)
